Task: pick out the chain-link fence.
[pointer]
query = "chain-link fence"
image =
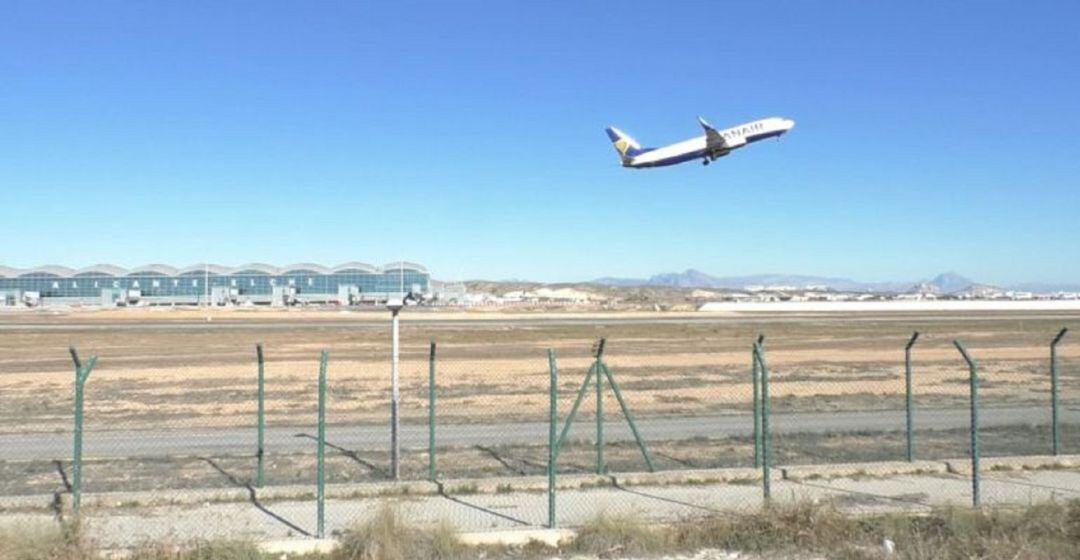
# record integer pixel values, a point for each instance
(505, 434)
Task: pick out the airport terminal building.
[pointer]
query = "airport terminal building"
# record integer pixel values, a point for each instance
(107, 285)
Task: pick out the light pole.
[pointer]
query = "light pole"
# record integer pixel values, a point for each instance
(394, 305)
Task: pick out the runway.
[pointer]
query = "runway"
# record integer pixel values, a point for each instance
(108, 443)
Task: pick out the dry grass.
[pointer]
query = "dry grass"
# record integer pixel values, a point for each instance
(1047, 531)
(609, 535)
(69, 541)
(387, 537)
(44, 541)
(204, 550)
(1044, 531)
(166, 376)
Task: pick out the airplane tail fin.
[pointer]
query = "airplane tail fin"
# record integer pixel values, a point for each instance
(624, 144)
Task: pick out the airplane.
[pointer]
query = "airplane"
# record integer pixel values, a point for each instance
(714, 144)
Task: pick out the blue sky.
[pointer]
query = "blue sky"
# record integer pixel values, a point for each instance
(469, 136)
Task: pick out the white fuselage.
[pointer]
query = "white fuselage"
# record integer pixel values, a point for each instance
(698, 148)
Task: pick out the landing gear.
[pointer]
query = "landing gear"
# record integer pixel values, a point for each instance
(711, 157)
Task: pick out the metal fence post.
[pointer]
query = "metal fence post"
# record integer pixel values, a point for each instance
(395, 395)
(320, 472)
(909, 406)
(574, 409)
(599, 409)
(431, 413)
(82, 373)
(974, 369)
(553, 419)
(629, 418)
(260, 451)
(756, 380)
(766, 457)
(1055, 425)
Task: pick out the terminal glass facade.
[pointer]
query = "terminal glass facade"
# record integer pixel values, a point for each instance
(197, 281)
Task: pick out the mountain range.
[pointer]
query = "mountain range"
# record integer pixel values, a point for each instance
(948, 282)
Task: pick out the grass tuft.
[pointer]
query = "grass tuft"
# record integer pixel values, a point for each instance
(39, 541)
(387, 537)
(1050, 530)
(619, 534)
(801, 526)
(68, 541)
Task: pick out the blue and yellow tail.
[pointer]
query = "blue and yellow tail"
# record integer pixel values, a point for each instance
(624, 144)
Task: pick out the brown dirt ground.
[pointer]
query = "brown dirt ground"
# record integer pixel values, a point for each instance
(180, 372)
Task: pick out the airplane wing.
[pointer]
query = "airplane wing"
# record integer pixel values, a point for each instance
(713, 139)
(715, 142)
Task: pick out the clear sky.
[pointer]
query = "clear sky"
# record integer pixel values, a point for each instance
(468, 136)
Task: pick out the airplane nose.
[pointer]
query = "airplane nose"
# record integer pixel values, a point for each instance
(789, 124)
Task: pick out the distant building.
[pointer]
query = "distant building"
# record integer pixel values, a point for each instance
(918, 296)
(550, 295)
(157, 284)
(980, 291)
(448, 292)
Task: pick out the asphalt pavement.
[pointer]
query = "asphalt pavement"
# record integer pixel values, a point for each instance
(120, 443)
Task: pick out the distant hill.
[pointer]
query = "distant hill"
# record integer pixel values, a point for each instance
(951, 282)
(692, 278)
(696, 279)
(673, 282)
